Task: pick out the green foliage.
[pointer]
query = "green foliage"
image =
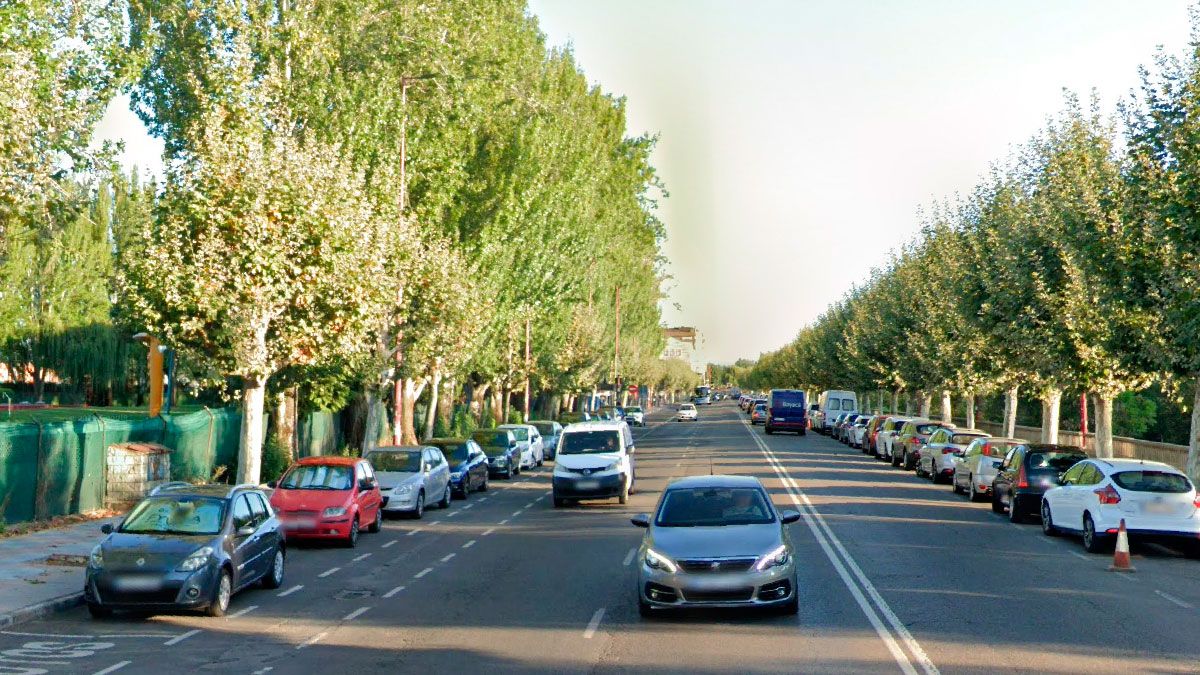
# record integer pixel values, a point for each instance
(515, 416)
(462, 422)
(1133, 414)
(276, 459)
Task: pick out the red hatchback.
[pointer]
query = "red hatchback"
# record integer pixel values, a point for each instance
(328, 498)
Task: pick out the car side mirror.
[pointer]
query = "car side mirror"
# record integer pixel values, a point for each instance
(789, 516)
(245, 531)
(641, 520)
(996, 463)
(106, 528)
(365, 484)
(272, 484)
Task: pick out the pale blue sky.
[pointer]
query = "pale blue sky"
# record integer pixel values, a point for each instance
(799, 138)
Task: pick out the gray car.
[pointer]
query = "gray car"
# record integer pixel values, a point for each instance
(411, 477)
(716, 541)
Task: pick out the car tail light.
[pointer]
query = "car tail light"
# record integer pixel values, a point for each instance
(1022, 479)
(1108, 495)
(1196, 501)
(947, 451)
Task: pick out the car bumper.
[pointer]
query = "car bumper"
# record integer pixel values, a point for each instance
(1141, 525)
(660, 588)
(162, 592)
(789, 425)
(498, 470)
(588, 486)
(394, 504)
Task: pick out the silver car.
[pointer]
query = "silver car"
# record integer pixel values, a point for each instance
(550, 432)
(716, 541)
(935, 460)
(974, 470)
(410, 477)
(529, 440)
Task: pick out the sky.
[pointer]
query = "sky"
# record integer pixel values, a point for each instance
(799, 138)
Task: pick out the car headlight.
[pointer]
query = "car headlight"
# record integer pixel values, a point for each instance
(501, 460)
(775, 558)
(403, 490)
(196, 560)
(96, 559)
(612, 467)
(456, 475)
(658, 561)
(334, 511)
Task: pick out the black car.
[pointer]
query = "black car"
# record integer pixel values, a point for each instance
(186, 547)
(468, 464)
(503, 453)
(1026, 472)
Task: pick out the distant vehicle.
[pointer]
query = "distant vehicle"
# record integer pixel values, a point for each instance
(328, 498)
(186, 547)
(411, 476)
(857, 432)
(530, 442)
(759, 414)
(687, 412)
(936, 458)
(468, 464)
(635, 416)
(503, 453)
(595, 461)
(831, 403)
(611, 412)
(841, 430)
(1156, 501)
(702, 395)
(887, 436)
(787, 411)
(911, 438)
(550, 432)
(975, 469)
(871, 436)
(716, 541)
(1028, 471)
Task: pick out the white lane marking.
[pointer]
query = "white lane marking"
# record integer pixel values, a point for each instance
(423, 572)
(242, 612)
(528, 505)
(289, 591)
(53, 635)
(481, 499)
(469, 544)
(435, 523)
(593, 624)
(361, 558)
(515, 514)
(629, 556)
(449, 557)
(181, 637)
(1174, 600)
(540, 498)
(112, 668)
(467, 506)
(503, 522)
(1126, 577)
(312, 640)
(393, 592)
(355, 614)
(412, 532)
(329, 571)
(453, 513)
(488, 531)
(261, 671)
(110, 636)
(390, 543)
(1080, 556)
(829, 542)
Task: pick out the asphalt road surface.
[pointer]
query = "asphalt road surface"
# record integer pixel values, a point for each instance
(896, 575)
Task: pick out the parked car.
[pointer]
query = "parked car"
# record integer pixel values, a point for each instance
(759, 414)
(842, 431)
(716, 541)
(687, 412)
(530, 442)
(611, 412)
(186, 547)
(1028, 471)
(550, 432)
(328, 498)
(411, 477)
(976, 467)
(634, 416)
(935, 459)
(831, 403)
(912, 437)
(871, 436)
(574, 417)
(468, 464)
(503, 453)
(787, 411)
(1156, 501)
(857, 432)
(595, 461)
(887, 436)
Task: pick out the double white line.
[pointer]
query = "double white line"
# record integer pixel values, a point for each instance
(869, 600)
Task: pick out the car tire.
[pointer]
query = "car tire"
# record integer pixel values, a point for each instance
(99, 611)
(972, 493)
(351, 539)
(623, 498)
(483, 487)
(997, 506)
(377, 524)
(1014, 511)
(222, 594)
(803, 433)
(1048, 527)
(274, 576)
(895, 459)
(559, 502)
(1092, 542)
(419, 510)
(769, 430)
(444, 502)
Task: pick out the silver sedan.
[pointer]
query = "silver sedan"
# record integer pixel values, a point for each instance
(716, 541)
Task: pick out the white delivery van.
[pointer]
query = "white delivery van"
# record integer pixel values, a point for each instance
(830, 404)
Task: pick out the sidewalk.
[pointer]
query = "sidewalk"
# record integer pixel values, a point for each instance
(31, 587)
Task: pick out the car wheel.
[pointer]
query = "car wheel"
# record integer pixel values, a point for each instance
(419, 509)
(997, 506)
(769, 430)
(803, 433)
(1092, 542)
(623, 498)
(1014, 510)
(1048, 527)
(483, 486)
(444, 502)
(377, 524)
(895, 459)
(274, 576)
(559, 502)
(99, 611)
(222, 594)
(352, 538)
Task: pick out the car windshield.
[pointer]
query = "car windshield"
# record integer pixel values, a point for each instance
(176, 515)
(1059, 461)
(544, 428)
(687, 406)
(395, 460)
(519, 433)
(590, 442)
(317, 477)
(996, 449)
(713, 507)
(454, 452)
(1152, 481)
(492, 439)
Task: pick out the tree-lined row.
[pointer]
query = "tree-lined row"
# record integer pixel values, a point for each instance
(1071, 268)
(374, 199)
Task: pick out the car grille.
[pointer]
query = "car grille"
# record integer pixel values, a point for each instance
(724, 595)
(304, 514)
(700, 565)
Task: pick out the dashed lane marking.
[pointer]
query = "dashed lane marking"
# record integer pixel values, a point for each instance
(113, 668)
(1080, 556)
(593, 624)
(312, 640)
(1174, 600)
(423, 572)
(289, 591)
(629, 556)
(329, 571)
(515, 514)
(435, 523)
(412, 532)
(488, 531)
(242, 612)
(503, 522)
(467, 506)
(469, 544)
(390, 543)
(393, 592)
(181, 637)
(447, 558)
(362, 557)
(355, 614)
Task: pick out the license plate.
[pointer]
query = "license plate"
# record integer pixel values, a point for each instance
(780, 419)
(300, 523)
(587, 485)
(137, 584)
(1158, 508)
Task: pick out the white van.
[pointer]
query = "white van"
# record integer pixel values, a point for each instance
(594, 461)
(829, 405)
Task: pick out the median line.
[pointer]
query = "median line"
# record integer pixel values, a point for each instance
(412, 532)
(114, 667)
(393, 592)
(448, 558)
(390, 543)
(469, 544)
(488, 531)
(329, 571)
(423, 572)
(313, 640)
(361, 557)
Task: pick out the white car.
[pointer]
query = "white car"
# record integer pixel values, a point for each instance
(634, 416)
(1154, 499)
(975, 468)
(410, 477)
(594, 461)
(529, 440)
(891, 429)
(936, 458)
(858, 431)
(687, 412)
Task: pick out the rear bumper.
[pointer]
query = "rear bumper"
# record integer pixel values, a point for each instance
(1149, 527)
(789, 425)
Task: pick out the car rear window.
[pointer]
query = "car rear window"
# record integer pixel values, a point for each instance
(1152, 481)
(495, 439)
(848, 404)
(962, 439)
(834, 405)
(454, 452)
(520, 433)
(590, 442)
(1059, 461)
(996, 449)
(709, 507)
(544, 428)
(924, 429)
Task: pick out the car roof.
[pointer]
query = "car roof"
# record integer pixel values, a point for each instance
(333, 460)
(714, 481)
(400, 448)
(1051, 447)
(543, 422)
(514, 425)
(1136, 465)
(448, 440)
(977, 432)
(595, 425)
(219, 490)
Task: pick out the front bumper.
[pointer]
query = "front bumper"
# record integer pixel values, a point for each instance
(394, 504)
(321, 528)
(158, 591)
(588, 487)
(659, 588)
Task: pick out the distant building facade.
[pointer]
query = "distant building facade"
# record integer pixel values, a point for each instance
(685, 342)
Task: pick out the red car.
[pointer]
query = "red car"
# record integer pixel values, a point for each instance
(329, 498)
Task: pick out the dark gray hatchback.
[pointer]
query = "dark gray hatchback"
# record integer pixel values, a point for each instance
(186, 547)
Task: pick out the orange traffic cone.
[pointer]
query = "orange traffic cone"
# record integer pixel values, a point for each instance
(1121, 553)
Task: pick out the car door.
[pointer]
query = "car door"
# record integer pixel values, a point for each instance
(535, 442)
(266, 531)
(1065, 502)
(476, 467)
(1007, 473)
(961, 461)
(247, 547)
(441, 470)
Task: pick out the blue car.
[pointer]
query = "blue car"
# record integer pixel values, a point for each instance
(503, 452)
(468, 464)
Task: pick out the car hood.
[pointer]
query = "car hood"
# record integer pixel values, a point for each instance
(308, 500)
(715, 542)
(158, 552)
(592, 461)
(393, 479)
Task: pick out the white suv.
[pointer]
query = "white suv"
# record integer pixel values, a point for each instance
(594, 461)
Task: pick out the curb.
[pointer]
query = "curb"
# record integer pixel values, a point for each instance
(41, 609)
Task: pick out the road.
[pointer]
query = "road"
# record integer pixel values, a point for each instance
(896, 575)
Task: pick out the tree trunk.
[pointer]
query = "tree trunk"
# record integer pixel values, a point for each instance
(431, 413)
(477, 395)
(371, 424)
(1193, 457)
(1010, 412)
(1104, 440)
(507, 404)
(497, 394)
(947, 407)
(405, 433)
(895, 401)
(926, 403)
(445, 407)
(249, 469)
(285, 420)
(970, 401)
(1051, 405)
